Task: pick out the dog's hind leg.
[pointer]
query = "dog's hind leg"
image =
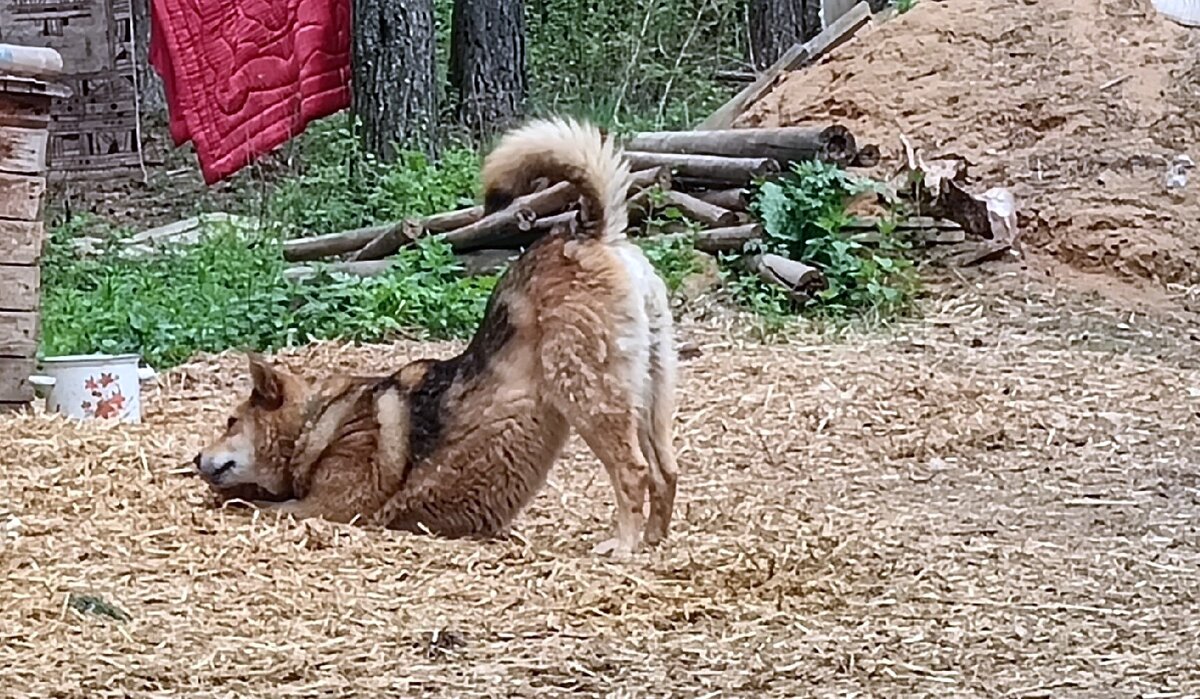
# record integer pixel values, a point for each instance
(656, 434)
(613, 437)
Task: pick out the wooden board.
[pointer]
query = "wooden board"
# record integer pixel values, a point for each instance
(20, 242)
(94, 122)
(19, 288)
(22, 150)
(795, 57)
(29, 111)
(82, 31)
(14, 380)
(21, 196)
(18, 334)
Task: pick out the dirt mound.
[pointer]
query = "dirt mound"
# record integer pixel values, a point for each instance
(1078, 106)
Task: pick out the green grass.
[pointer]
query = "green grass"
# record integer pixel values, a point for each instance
(804, 215)
(229, 291)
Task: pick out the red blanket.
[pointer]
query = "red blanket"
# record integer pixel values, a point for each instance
(244, 76)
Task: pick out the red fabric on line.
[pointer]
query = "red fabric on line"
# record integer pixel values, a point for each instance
(243, 76)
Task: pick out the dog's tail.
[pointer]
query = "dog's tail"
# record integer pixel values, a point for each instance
(562, 150)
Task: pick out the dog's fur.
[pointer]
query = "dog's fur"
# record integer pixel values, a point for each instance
(577, 335)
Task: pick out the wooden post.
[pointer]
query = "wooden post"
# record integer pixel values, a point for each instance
(24, 133)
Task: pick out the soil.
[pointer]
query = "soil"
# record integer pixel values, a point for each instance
(1000, 500)
(1077, 106)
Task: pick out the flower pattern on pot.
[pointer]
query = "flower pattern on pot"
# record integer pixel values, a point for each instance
(109, 401)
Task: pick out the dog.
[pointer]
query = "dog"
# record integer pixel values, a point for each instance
(577, 335)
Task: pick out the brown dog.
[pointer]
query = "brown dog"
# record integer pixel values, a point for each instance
(577, 335)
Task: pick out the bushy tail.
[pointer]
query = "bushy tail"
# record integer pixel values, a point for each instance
(562, 150)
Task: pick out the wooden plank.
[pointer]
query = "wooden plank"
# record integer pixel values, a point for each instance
(22, 150)
(19, 288)
(21, 85)
(795, 57)
(20, 242)
(832, 10)
(21, 196)
(18, 334)
(29, 111)
(14, 379)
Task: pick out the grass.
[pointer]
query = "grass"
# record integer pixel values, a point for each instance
(228, 291)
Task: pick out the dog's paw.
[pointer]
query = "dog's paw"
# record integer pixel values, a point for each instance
(614, 549)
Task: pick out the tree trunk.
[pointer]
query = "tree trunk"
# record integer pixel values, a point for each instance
(151, 99)
(487, 63)
(395, 89)
(775, 25)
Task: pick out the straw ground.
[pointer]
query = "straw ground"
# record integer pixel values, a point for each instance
(1001, 500)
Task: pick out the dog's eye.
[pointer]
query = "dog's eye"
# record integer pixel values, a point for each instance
(232, 421)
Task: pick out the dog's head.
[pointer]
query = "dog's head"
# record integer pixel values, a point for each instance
(253, 455)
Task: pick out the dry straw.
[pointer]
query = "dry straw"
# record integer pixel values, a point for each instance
(1001, 501)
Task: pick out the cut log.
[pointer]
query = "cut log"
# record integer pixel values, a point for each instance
(377, 242)
(800, 280)
(736, 199)
(867, 156)
(734, 76)
(800, 54)
(710, 168)
(389, 241)
(650, 177)
(498, 229)
(700, 211)
(474, 263)
(831, 144)
(395, 235)
(320, 246)
(732, 239)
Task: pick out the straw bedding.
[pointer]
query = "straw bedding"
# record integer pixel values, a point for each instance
(999, 501)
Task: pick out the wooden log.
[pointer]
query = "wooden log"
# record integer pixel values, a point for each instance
(20, 242)
(388, 241)
(731, 239)
(321, 246)
(736, 199)
(734, 76)
(800, 54)
(498, 229)
(831, 144)
(650, 177)
(700, 211)
(474, 263)
(713, 168)
(18, 334)
(800, 280)
(19, 288)
(483, 262)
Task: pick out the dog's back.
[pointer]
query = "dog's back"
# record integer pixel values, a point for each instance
(576, 334)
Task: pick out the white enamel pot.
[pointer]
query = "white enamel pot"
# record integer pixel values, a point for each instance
(94, 386)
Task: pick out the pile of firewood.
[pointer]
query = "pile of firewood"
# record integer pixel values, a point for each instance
(704, 175)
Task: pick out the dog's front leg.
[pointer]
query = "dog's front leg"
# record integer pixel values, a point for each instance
(298, 509)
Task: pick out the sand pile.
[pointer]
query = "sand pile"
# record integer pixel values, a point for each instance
(1078, 106)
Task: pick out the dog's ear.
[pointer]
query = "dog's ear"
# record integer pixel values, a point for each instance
(268, 385)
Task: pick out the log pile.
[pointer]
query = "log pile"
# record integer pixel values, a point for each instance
(704, 176)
